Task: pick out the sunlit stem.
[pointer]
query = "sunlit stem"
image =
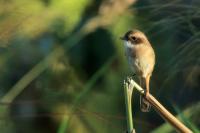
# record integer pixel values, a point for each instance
(161, 110)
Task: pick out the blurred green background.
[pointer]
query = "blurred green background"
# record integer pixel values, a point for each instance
(62, 64)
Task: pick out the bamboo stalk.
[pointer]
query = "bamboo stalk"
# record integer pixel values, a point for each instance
(164, 113)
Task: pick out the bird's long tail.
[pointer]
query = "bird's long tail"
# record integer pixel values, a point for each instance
(144, 104)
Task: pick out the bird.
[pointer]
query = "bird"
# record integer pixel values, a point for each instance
(141, 60)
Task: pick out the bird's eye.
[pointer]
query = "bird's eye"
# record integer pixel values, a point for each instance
(133, 38)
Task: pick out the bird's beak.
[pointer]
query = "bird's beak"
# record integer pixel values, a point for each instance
(122, 38)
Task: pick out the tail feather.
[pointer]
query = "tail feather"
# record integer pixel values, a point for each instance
(144, 104)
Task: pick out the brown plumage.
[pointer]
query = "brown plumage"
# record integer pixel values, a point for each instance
(141, 59)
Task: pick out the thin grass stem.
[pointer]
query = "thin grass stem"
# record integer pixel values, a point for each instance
(128, 90)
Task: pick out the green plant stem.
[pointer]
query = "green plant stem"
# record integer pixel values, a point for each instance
(128, 90)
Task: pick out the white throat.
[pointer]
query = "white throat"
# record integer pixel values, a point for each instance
(127, 44)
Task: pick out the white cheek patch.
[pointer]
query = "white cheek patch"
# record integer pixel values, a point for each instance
(128, 44)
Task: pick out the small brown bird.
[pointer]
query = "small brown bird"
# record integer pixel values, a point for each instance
(141, 59)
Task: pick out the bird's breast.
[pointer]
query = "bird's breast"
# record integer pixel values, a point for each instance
(133, 63)
(140, 58)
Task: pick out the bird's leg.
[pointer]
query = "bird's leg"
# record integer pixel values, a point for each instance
(147, 79)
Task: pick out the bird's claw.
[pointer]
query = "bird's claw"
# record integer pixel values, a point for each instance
(128, 80)
(130, 77)
(146, 94)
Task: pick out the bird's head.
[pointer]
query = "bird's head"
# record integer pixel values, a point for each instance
(134, 37)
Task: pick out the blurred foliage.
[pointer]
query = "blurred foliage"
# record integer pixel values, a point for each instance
(62, 64)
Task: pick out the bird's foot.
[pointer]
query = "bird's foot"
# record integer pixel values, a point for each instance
(128, 80)
(130, 76)
(146, 94)
(144, 104)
